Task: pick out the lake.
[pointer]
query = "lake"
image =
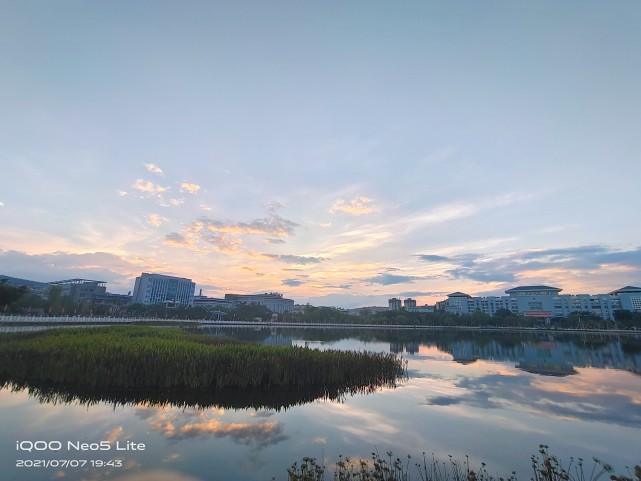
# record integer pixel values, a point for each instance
(494, 396)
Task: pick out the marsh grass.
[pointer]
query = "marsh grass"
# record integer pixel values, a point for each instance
(545, 466)
(229, 398)
(138, 357)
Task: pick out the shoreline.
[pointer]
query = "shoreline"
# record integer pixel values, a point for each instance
(35, 321)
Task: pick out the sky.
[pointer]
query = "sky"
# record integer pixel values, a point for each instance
(340, 153)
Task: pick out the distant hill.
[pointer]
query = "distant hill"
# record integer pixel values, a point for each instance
(34, 286)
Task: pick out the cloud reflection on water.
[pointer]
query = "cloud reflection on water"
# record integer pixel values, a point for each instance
(155, 475)
(593, 395)
(189, 424)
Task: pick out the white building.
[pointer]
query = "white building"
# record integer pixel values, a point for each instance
(204, 301)
(546, 302)
(273, 301)
(161, 289)
(629, 298)
(423, 308)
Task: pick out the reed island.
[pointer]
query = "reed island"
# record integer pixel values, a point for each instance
(141, 357)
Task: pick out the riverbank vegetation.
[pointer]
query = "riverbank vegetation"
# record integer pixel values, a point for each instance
(502, 319)
(139, 357)
(545, 467)
(19, 300)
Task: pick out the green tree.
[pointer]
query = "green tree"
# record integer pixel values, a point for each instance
(250, 312)
(9, 294)
(27, 302)
(627, 319)
(505, 317)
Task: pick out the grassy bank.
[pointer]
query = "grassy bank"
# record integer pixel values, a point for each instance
(152, 358)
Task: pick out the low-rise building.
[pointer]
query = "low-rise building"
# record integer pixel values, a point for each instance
(204, 301)
(81, 289)
(273, 301)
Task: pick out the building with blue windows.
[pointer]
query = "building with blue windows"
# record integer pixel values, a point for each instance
(160, 289)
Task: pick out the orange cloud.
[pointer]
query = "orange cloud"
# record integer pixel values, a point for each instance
(191, 188)
(156, 220)
(116, 434)
(225, 235)
(356, 206)
(263, 433)
(148, 187)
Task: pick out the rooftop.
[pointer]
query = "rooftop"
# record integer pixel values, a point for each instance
(78, 281)
(627, 290)
(533, 288)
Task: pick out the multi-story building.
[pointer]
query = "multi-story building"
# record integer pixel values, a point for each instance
(394, 304)
(546, 302)
(271, 300)
(81, 289)
(629, 298)
(409, 303)
(161, 289)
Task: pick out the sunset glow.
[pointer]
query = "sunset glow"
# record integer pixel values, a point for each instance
(341, 154)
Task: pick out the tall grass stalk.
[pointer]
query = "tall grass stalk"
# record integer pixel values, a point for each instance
(546, 467)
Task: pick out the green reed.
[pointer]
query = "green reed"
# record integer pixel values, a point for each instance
(144, 357)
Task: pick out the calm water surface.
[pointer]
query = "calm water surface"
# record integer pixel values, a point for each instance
(494, 397)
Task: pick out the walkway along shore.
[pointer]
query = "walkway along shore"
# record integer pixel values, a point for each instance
(44, 321)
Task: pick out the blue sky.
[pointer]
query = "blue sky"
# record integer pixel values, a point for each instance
(339, 152)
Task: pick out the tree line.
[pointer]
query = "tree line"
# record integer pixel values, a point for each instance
(19, 300)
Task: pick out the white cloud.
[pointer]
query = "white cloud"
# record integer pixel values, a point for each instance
(459, 210)
(156, 220)
(356, 206)
(325, 225)
(153, 168)
(444, 213)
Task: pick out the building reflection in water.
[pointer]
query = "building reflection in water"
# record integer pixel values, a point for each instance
(547, 357)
